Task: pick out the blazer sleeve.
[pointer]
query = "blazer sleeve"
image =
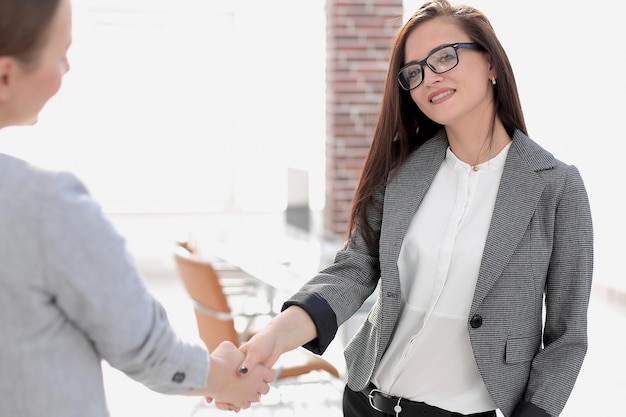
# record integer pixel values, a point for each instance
(568, 285)
(96, 286)
(338, 291)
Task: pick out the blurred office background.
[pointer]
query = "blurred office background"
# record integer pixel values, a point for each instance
(203, 108)
(211, 116)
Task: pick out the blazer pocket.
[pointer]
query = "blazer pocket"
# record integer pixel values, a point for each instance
(522, 349)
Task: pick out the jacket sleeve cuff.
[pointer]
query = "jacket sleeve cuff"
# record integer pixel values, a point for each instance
(323, 317)
(526, 409)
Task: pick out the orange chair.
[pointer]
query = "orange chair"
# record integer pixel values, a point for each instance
(216, 321)
(231, 278)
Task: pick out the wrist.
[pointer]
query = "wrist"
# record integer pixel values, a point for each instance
(292, 328)
(215, 377)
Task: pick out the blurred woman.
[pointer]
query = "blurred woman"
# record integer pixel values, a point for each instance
(70, 295)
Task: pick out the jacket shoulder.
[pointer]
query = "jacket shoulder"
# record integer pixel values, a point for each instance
(535, 155)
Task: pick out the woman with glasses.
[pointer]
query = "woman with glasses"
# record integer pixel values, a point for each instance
(70, 296)
(477, 241)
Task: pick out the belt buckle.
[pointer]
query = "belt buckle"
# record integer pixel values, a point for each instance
(396, 408)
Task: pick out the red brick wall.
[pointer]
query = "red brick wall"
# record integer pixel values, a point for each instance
(358, 36)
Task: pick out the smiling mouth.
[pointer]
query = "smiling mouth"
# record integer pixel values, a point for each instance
(442, 95)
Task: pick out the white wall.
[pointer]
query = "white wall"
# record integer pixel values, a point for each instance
(152, 118)
(187, 105)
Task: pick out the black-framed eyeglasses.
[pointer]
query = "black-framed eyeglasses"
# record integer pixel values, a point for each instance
(441, 60)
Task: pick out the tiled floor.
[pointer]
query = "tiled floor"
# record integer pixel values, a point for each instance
(599, 390)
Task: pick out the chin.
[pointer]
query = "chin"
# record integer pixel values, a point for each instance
(30, 121)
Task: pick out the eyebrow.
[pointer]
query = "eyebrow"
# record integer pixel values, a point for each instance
(415, 61)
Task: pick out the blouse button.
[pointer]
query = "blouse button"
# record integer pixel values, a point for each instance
(476, 321)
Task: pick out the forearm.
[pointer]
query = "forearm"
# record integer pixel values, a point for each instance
(292, 328)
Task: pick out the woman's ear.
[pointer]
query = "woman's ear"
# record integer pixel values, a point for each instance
(7, 65)
(492, 68)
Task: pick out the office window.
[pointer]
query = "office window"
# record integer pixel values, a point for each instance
(187, 106)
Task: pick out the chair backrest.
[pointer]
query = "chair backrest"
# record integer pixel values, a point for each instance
(202, 284)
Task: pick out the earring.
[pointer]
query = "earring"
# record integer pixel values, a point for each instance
(493, 80)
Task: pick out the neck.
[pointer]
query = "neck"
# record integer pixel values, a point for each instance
(478, 144)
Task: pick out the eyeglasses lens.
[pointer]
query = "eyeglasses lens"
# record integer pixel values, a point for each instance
(440, 61)
(411, 76)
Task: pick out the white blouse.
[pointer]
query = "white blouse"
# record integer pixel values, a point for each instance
(430, 357)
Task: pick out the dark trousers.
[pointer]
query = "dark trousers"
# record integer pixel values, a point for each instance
(356, 404)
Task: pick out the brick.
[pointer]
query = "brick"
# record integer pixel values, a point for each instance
(358, 37)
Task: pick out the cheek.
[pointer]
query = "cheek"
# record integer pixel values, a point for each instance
(54, 82)
(49, 84)
(420, 101)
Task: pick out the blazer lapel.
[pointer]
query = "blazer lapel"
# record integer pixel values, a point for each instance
(518, 196)
(516, 202)
(403, 195)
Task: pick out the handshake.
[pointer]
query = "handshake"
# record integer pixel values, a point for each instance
(238, 377)
(231, 385)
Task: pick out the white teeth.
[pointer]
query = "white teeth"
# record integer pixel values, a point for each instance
(442, 95)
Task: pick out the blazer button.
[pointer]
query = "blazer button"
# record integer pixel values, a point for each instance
(476, 321)
(178, 377)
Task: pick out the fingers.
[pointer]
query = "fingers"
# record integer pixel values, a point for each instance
(247, 362)
(227, 407)
(229, 351)
(258, 378)
(256, 353)
(263, 390)
(234, 390)
(269, 375)
(237, 389)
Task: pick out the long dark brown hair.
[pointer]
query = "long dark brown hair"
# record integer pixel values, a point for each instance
(402, 127)
(23, 27)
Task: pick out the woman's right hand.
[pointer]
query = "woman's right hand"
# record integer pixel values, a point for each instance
(288, 330)
(262, 349)
(227, 386)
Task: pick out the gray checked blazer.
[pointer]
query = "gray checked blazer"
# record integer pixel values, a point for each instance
(70, 298)
(539, 243)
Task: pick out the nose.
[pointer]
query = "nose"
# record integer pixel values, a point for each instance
(430, 77)
(66, 66)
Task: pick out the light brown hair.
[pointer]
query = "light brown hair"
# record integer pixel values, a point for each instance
(23, 28)
(402, 127)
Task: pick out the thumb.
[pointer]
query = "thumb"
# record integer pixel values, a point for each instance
(248, 361)
(253, 357)
(268, 374)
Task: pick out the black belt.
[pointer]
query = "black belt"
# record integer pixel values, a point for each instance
(399, 407)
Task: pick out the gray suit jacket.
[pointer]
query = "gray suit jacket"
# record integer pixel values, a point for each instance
(539, 241)
(70, 297)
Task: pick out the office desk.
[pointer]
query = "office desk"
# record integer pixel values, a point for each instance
(281, 264)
